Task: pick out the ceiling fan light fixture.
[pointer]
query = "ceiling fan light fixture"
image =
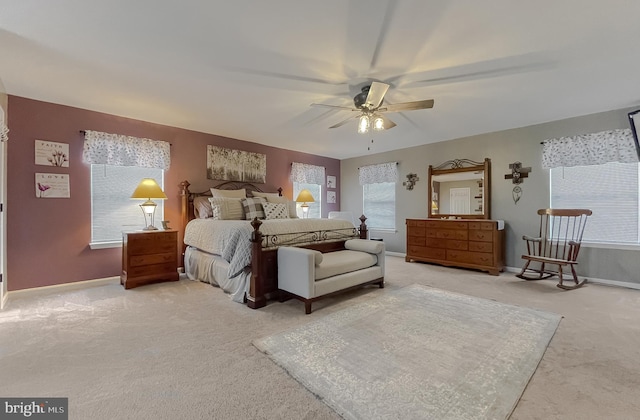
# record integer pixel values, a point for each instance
(363, 124)
(378, 123)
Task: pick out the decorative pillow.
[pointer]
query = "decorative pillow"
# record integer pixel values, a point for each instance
(202, 207)
(264, 195)
(276, 211)
(291, 205)
(241, 193)
(253, 207)
(216, 212)
(229, 208)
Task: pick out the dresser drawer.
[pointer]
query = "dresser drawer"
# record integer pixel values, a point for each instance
(425, 252)
(415, 240)
(416, 223)
(480, 235)
(446, 224)
(480, 246)
(452, 234)
(453, 244)
(482, 225)
(416, 231)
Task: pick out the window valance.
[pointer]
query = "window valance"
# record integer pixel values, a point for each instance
(590, 149)
(119, 150)
(382, 172)
(307, 174)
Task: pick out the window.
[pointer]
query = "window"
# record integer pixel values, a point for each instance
(610, 190)
(112, 209)
(379, 205)
(315, 208)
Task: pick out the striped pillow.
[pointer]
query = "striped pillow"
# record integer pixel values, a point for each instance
(228, 208)
(276, 210)
(253, 207)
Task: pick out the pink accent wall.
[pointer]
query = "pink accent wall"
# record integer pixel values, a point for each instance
(48, 239)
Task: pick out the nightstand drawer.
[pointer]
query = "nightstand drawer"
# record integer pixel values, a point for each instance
(138, 260)
(153, 270)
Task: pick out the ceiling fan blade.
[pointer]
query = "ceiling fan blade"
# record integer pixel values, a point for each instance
(408, 106)
(341, 123)
(376, 94)
(346, 108)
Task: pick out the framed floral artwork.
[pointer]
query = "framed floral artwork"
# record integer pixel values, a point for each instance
(52, 185)
(51, 153)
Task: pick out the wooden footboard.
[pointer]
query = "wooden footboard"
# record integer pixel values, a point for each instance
(264, 262)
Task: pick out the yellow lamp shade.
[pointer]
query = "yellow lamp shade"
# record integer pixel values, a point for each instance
(148, 188)
(305, 197)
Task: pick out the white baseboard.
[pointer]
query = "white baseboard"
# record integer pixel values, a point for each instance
(605, 282)
(38, 291)
(395, 254)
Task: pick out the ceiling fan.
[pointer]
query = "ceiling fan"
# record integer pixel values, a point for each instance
(368, 105)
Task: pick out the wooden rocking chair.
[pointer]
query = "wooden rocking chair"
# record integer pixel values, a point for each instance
(558, 245)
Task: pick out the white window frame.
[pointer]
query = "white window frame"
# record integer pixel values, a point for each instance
(370, 213)
(315, 208)
(134, 219)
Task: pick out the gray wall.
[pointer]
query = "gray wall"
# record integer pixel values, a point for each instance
(503, 148)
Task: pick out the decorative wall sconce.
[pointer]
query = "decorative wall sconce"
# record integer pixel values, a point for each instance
(517, 175)
(411, 181)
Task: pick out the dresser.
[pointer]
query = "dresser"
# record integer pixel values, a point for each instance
(149, 257)
(469, 243)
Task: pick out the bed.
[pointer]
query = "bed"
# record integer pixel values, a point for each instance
(240, 256)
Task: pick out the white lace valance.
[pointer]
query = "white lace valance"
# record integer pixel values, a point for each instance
(590, 149)
(307, 174)
(4, 131)
(119, 150)
(382, 172)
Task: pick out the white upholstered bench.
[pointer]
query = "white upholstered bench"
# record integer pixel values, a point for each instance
(309, 275)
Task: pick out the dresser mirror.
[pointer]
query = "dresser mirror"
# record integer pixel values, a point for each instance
(460, 189)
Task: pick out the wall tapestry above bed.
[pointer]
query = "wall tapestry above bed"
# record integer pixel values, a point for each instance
(236, 165)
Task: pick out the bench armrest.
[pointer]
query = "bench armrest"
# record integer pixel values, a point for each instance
(296, 270)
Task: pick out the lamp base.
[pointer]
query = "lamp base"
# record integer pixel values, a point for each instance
(150, 228)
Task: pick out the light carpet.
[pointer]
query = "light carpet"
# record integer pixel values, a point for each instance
(417, 352)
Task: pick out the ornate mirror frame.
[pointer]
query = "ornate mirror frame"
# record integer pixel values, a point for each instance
(462, 166)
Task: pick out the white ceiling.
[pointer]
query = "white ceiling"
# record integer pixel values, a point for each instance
(249, 69)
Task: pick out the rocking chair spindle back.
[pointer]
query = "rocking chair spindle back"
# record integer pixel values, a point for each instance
(558, 244)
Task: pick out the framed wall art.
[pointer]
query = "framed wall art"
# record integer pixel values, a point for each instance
(51, 153)
(236, 165)
(331, 181)
(52, 185)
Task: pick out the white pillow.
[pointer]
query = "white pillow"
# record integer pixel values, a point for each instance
(229, 208)
(264, 195)
(241, 193)
(291, 205)
(275, 211)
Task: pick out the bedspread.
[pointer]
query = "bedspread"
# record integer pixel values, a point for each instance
(231, 239)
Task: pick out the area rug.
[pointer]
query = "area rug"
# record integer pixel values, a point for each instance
(417, 352)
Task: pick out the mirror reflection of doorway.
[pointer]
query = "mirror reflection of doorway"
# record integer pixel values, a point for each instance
(460, 200)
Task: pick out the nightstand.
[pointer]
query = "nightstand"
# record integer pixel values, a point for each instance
(149, 257)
